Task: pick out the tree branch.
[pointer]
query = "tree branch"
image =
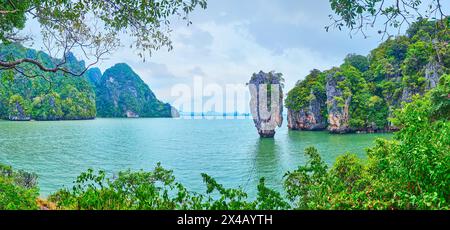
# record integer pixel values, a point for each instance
(7, 11)
(58, 68)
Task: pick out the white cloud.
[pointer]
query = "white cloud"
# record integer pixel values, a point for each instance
(230, 57)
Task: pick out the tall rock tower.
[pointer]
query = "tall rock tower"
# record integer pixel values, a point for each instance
(266, 104)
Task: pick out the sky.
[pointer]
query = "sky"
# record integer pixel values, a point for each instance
(232, 39)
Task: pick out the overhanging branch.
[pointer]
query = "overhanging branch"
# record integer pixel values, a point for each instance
(58, 68)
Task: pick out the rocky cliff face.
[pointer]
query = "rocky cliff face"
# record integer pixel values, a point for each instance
(350, 105)
(433, 72)
(18, 113)
(408, 93)
(364, 92)
(266, 103)
(308, 118)
(338, 105)
(306, 103)
(122, 93)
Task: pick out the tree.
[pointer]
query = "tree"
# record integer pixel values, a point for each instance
(426, 16)
(360, 15)
(358, 61)
(90, 27)
(409, 172)
(440, 98)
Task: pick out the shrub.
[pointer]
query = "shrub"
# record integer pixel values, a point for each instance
(410, 172)
(18, 189)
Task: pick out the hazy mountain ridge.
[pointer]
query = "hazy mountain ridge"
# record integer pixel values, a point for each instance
(120, 92)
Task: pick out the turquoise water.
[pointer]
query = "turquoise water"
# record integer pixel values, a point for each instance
(229, 150)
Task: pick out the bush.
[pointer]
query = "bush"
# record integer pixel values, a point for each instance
(18, 190)
(410, 172)
(157, 190)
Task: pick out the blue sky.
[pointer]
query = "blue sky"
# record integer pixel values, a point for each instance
(232, 39)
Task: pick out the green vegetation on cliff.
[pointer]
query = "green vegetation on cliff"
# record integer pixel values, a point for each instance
(45, 96)
(364, 91)
(306, 90)
(122, 93)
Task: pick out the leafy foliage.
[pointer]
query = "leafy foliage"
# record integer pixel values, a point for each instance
(158, 190)
(376, 85)
(18, 189)
(12, 18)
(91, 27)
(440, 98)
(358, 61)
(410, 172)
(304, 91)
(360, 16)
(45, 97)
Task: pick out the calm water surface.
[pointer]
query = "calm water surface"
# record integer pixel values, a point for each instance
(229, 150)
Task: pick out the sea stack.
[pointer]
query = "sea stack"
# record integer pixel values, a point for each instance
(266, 104)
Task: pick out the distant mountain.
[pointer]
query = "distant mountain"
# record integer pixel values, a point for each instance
(120, 92)
(57, 98)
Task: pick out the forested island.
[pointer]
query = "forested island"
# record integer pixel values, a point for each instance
(361, 94)
(119, 92)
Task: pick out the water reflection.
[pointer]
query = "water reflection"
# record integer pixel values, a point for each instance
(267, 162)
(331, 146)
